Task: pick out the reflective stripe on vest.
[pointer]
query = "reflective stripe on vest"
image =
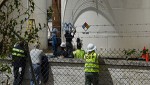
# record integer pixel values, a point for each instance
(91, 64)
(18, 52)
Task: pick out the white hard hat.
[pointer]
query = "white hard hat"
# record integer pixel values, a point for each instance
(63, 44)
(91, 47)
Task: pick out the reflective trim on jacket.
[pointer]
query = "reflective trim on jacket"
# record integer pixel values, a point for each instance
(91, 62)
(18, 53)
(18, 50)
(79, 54)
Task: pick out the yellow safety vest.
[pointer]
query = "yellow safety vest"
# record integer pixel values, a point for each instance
(79, 54)
(91, 62)
(18, 53)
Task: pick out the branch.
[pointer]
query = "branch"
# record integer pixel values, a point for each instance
(2, 3)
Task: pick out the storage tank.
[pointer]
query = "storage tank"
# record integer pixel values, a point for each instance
(112, 23)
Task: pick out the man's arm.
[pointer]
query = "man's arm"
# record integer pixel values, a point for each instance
(99, 58)
(42, 53)
(74, 32)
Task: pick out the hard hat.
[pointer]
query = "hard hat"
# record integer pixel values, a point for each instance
(63, 44)
(91, 47)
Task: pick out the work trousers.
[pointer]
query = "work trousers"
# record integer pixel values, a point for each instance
(69, 48)
(18, 75)
(54, 46)
(91, 78)
(37, 72)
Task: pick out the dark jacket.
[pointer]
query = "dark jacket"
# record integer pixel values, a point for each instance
(17, 60)
(69, 37)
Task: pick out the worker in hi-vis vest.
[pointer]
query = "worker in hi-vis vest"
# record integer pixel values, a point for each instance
(91, 65)
(79, 53)
(19, 57)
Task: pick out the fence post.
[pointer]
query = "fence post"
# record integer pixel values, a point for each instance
(26, 79)
(27, 74)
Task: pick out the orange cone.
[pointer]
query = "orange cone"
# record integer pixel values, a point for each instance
(147, 57)
(144, 56)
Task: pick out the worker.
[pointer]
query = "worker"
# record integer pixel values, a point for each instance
(91, 65)
(36, 55)
(54, 41)
(79, 53)
(63, 53)
(19, 57)
(69, 47)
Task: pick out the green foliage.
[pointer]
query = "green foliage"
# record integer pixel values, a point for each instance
(129, 52)
(49, 13)
(9, 24)
(144, 51)
(2, 17)
(5, 68)
(13, 16)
